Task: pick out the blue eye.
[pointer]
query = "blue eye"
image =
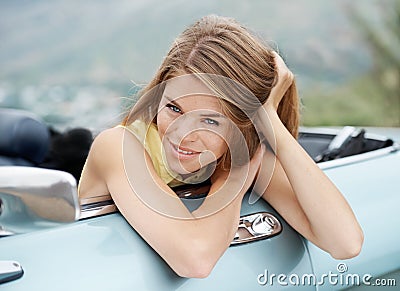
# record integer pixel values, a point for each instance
(173, 108)
(211, 121)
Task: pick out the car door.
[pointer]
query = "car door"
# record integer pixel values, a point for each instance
(105, 253)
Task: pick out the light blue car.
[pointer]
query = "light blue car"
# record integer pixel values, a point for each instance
(49, 242)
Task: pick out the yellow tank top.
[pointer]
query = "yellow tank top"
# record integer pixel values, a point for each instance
(150, 139)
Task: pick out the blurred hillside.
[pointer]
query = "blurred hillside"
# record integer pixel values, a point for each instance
(72, 61)
(371, 98)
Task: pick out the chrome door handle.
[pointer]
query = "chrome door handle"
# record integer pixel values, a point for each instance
(256, 226)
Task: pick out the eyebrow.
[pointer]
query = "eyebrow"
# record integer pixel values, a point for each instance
(213, 115)
(172, 101)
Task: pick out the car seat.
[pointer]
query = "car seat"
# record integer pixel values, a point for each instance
(24, 138)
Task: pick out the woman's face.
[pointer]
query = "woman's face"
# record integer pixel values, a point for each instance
(191, 125)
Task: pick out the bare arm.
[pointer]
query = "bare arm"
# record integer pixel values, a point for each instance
(301, 192)
(191, 247)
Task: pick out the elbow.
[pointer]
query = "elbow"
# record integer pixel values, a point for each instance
(200, 270)
(196, 261)
(350, 249)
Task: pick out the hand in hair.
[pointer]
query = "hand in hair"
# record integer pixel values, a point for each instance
(284, 81)
(298, 184)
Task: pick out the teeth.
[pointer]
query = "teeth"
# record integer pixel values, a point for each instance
(184, 152)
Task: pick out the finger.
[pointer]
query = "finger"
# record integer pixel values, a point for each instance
(283, 71)
(279, 62)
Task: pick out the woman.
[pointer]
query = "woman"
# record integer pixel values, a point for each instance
(218, 97)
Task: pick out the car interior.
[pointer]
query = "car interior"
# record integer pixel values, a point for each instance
(26, 140)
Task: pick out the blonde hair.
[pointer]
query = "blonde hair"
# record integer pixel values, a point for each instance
(221, 46)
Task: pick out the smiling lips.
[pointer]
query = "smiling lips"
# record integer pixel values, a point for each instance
(183, 152)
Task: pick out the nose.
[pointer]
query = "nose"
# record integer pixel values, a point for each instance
(184, 129)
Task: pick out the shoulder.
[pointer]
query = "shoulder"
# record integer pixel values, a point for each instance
(110, 135)
(106, 159)
(105, 145)
(107, 137)
(92, 181)
(109, 146)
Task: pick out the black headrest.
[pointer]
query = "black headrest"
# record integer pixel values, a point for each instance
(23, 135)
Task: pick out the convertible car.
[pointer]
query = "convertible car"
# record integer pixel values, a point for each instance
(48, 241)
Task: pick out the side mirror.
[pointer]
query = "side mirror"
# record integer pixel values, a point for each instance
(33, 198)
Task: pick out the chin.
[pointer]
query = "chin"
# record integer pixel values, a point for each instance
(186, 170)
(182, 169)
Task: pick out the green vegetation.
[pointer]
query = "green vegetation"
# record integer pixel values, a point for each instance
(373, 98)
(64, 62)
(359, 103)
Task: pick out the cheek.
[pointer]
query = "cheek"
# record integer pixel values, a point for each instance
(217, 145)
(162, 122)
